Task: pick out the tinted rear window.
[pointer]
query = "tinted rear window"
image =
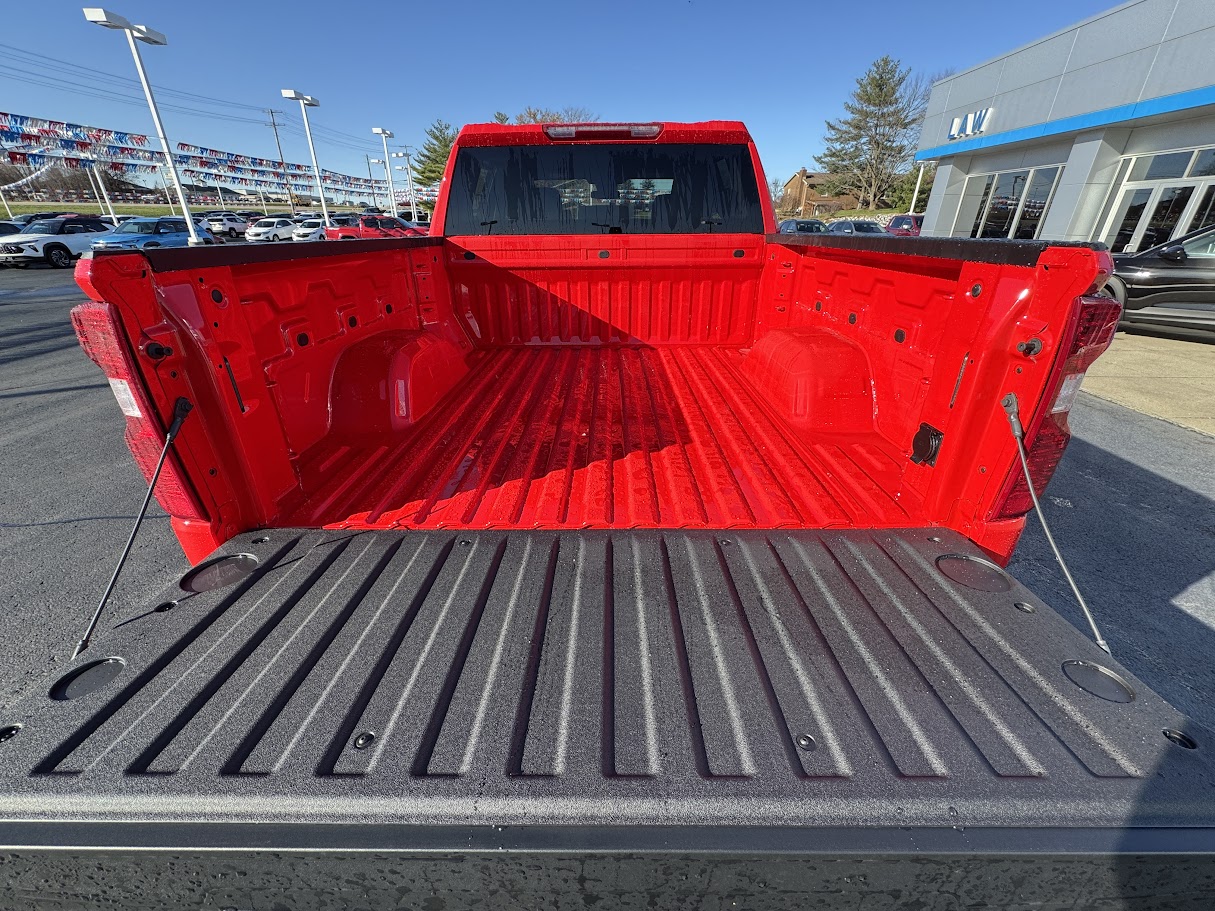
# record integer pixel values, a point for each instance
(604, 189)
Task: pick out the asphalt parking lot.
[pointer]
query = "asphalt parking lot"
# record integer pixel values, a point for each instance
(1133, 506)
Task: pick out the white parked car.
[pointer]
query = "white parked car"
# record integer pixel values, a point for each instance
(309, 229)
(228, 224)
(271, 229)
(57, 241)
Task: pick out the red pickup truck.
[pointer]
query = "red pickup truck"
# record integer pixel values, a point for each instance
(604, 545)
(367, 227)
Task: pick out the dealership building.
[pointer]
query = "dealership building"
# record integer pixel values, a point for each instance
(1104, 131)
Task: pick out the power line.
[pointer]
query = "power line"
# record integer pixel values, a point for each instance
(76, 89)
(34, 57)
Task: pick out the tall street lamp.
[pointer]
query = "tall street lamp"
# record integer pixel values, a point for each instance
(106, 19)
(413, 196)
(307, 101)
(386, 135)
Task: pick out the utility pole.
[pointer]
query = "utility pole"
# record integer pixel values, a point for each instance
(375, 200)
(282, 160)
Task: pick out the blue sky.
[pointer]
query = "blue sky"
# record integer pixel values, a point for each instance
(782, 67)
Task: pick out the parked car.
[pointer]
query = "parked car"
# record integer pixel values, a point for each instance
(57, 241)
(115, 219)
(855, 226)
(146, 233)
(369, 226)
(249, 215)
(905, 225)
(7, 227)
(229, 223)
(802, 226)
(272, 228)
(26, 219)
(1171, 285)
(309, 229)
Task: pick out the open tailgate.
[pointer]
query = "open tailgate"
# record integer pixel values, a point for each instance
(366, 711)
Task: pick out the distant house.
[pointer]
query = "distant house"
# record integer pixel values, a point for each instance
(804, 194)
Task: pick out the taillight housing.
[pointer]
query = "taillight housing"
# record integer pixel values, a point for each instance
(1089, 331)
(101, 337)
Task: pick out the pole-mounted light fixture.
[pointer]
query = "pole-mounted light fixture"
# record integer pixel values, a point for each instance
(307, 101)
(107, 19)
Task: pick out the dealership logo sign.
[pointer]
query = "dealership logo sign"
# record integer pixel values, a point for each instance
(971, 124)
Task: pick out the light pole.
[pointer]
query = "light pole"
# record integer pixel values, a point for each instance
(386, 135)
(307, 101)
(413, 202)
(106, 19)
(413, 194)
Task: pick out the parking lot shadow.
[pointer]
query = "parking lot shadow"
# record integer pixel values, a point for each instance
(1133, 509)
(1142, 549)
(22, 342)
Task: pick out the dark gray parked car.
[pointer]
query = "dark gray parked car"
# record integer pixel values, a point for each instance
(802, 226)
(855, 226)
(1171, 285)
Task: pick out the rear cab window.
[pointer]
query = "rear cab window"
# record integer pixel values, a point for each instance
(665, 188)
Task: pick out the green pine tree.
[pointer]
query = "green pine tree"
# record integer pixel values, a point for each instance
(867, 150)
(431, 161)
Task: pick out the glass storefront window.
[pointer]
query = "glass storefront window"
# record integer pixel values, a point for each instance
(1158, 167)
(974, 205)
(1127, 216)
(1005, 199)
(1165, 216)
(1011, 204)
(1204, 164)
(1037, 198)
(1159, 197)
(1204, 215)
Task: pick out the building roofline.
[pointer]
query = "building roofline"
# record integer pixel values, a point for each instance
(1024, 47)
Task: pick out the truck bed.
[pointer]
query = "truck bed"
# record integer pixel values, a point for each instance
(596, 436)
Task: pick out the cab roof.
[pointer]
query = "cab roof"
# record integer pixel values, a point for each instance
(716, 132)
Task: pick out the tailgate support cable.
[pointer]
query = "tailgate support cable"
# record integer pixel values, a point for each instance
(181, 408)
(1009, 403)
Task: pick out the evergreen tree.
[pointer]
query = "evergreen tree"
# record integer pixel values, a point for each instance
(868, 149)
(431, 159)
(501, 117)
